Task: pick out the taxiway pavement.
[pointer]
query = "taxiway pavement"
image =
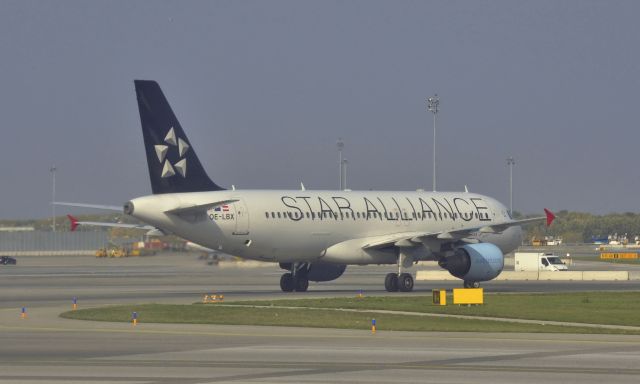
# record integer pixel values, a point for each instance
(45, 348)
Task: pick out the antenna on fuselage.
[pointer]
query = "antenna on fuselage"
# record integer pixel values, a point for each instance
(233, 187)
(302, 188)
(466, 189)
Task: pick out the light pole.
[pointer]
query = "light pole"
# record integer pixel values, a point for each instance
(511, 162)
(340, 145)
(53, 170)
(433, 104)
(344, 173)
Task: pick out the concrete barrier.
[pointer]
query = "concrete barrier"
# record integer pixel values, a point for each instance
(605, 275)
(434, 275)
(517, 275)
(560, 275)
(542, 275)
(634, 275)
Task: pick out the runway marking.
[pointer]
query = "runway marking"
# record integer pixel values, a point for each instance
(552, 338)
(305, 369)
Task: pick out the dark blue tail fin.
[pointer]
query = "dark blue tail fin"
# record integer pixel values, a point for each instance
(173, 164)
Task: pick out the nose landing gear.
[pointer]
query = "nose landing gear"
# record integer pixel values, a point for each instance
(472, 284)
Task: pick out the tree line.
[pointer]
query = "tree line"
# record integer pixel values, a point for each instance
(579, 227)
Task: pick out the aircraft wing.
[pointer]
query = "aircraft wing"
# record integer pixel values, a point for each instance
(409, 239)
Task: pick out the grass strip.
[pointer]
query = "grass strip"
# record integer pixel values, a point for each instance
(318, 318)
(614, 308)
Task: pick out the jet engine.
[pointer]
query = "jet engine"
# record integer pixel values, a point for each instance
(319, 271)
(474, 262)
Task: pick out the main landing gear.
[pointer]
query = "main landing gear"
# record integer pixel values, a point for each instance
(402, 282)
(296, 280)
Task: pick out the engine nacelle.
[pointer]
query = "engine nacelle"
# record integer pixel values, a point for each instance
(325, 271)
(475, 262)
(320, 271)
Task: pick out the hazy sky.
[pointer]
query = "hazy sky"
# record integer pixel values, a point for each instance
(265, 88)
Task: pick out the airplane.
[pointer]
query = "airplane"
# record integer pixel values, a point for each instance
(314, 235)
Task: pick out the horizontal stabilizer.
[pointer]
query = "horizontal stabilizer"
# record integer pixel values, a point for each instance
(94, 206)
(75, 223)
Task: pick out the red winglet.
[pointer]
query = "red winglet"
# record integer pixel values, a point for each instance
(550, 216)
(74, 222)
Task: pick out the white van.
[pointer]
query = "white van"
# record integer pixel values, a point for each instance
(532, 261)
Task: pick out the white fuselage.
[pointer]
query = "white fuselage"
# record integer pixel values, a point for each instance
(303, 226)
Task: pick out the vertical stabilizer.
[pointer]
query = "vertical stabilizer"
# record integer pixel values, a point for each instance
(173, 164)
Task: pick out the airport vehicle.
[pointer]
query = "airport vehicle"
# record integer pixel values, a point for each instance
(314, 235)
(535, 261)
(7, 260)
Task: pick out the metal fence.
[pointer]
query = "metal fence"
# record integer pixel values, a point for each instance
(41, 243)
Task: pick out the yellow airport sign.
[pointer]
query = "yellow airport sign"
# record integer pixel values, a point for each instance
(468, 296)
(618, 255)
(440, 297)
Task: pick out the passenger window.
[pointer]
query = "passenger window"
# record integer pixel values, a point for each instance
(266, 214)
(278, 215)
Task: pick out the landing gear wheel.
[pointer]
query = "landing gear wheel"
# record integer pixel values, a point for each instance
(472, 284)
(391, 282)
(286, 282)
(405, 282)
(302, 284)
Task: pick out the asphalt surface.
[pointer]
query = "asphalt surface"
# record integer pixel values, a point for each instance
(46, 348)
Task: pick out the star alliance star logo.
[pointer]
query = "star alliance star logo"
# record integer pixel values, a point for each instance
(169, 170)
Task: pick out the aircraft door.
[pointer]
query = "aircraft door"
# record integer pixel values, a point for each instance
(242, 218)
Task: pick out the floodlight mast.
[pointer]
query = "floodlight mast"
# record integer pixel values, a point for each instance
(511, 162)
(53, 170)
(340, 145)
(433, 105)
(344, 173)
